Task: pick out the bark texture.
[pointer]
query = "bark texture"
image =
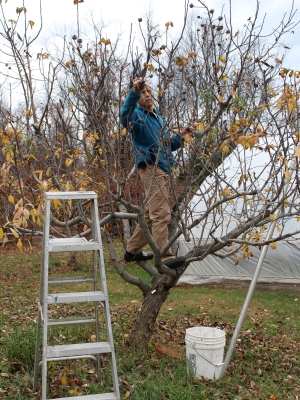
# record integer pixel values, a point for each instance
(144, 324)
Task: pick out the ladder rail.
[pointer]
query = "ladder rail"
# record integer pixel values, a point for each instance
(96, 231)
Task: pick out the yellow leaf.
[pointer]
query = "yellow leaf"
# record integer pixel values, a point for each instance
(274, 245)
(1, 233)
(272, 218)
(19, 245)
(24, 222)
(124, 131)
(222, 59)
(297, 151)
(262, 107)
(73, 392)
(64, 380)
(71, 106)
(224, 148)
(56, 203)
(168, 24)
(11, 199)
(31, 23)
(126, 395)
(287, 175)
(271, 90)
(297, 218)
(220, 98)
(262, 229)
(69, 162)
(4, 239)
(28, 112)
(278, 228)
(16, 235)
(200, 126)
(237, 261)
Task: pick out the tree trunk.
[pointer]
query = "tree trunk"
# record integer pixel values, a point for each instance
(144, 323)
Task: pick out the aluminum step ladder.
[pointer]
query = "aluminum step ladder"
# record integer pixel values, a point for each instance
(91, 350)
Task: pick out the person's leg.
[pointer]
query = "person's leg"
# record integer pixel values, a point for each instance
(138, 240)
(159, 208)
(157, 215)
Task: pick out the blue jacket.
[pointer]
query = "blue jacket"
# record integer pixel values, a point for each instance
(149, 134)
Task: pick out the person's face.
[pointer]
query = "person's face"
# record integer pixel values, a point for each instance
(146, 99)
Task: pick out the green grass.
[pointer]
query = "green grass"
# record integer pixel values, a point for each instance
(265, 363)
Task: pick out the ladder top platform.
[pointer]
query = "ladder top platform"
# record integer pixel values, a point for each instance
(70, 195)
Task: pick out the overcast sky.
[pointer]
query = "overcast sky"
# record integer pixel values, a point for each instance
(119, 14)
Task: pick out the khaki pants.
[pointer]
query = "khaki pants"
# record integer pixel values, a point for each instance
(157, 211)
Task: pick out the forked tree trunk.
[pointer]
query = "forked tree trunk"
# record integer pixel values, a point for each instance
(144, 323)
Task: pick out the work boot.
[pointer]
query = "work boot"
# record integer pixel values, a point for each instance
(174, 263)
(141, 256)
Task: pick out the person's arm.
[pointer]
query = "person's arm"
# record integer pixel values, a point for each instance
(131, 101)
(128, 109)
(184, 136)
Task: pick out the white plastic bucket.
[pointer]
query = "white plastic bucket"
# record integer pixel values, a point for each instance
(205, 351)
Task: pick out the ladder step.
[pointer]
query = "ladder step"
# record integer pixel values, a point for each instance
(70, 280)
(71, 321)
(70, 195)
(77, 297)
(72, 244)
(102, 396)
(80, 349)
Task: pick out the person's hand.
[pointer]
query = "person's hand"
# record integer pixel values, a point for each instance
(139, 85)
(188, 132)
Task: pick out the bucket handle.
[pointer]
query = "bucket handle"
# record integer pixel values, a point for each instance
(216, 365)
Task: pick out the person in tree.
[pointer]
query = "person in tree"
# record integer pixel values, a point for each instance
(152, 147)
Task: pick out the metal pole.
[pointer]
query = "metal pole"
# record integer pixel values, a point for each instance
(247, 302)
(252, 286)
